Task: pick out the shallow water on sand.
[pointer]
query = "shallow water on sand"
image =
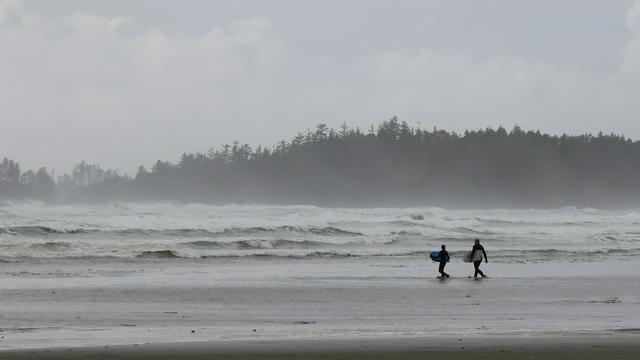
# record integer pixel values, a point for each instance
(83, 303)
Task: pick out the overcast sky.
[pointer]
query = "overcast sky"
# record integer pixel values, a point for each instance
(124, 82)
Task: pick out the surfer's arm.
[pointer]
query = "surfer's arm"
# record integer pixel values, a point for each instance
(485, 256)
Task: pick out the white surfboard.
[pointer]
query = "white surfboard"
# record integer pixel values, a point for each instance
(476, 257)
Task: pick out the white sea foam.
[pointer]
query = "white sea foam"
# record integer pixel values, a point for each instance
(32, 230)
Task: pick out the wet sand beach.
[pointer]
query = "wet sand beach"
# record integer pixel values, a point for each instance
(250, 300)
(561, 347)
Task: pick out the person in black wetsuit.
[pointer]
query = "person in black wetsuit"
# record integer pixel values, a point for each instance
(443, 255)
(476, 264)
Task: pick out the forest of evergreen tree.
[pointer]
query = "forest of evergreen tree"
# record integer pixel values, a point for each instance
(391, 165)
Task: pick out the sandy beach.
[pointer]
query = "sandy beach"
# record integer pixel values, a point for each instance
(246, 301)
(561, 347)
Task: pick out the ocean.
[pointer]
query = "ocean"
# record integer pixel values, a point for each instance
(38, 232)
(123, 273)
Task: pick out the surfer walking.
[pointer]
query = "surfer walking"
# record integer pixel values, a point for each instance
(476, 254)
(443, 257)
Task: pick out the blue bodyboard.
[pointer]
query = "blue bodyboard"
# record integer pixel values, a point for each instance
(435, 256)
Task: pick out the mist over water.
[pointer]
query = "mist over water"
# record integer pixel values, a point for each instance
(36, 231)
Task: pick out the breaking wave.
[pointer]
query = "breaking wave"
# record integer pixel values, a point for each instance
(166, 231)
(158, 254)
(39, 230)
(186, 233)
(51, 245)
(523, 256)
(256, 244)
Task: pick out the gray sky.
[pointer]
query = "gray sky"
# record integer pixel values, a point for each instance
(126, 82)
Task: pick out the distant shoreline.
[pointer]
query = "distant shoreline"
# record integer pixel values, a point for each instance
(394, 164)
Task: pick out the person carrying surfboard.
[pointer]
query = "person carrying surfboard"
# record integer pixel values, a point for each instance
(476, 255)
(443, 256)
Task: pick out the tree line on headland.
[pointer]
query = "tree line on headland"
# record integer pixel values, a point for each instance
(391, 165)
